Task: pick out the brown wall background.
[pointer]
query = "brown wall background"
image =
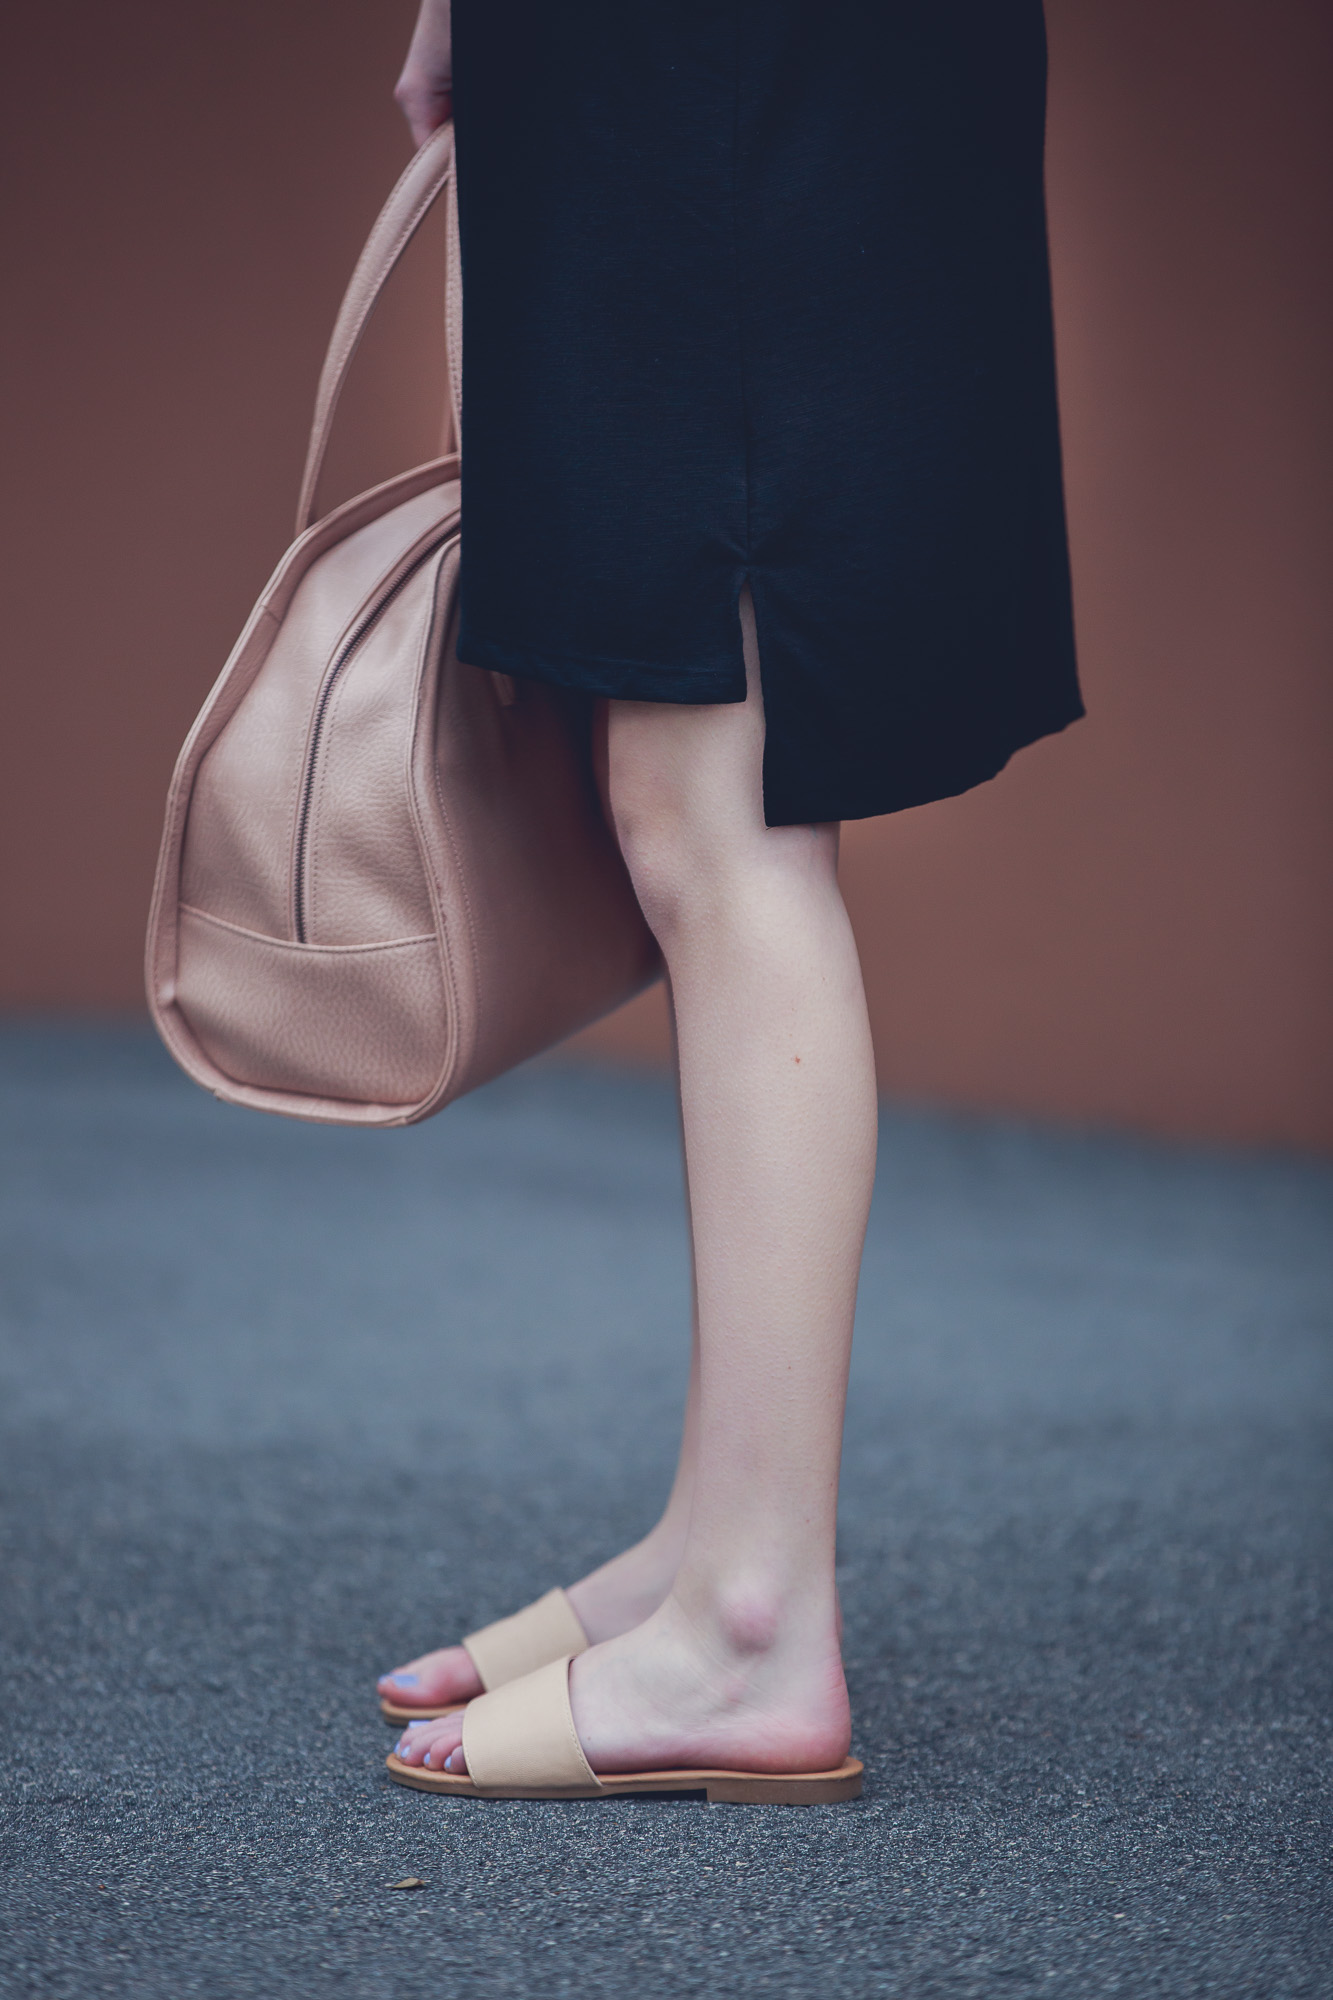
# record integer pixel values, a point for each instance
(1133, 924)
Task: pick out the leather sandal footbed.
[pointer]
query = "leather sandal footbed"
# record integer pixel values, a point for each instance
(394, 1711)
(797, 1788)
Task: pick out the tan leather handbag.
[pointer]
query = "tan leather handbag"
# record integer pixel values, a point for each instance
(385, 876)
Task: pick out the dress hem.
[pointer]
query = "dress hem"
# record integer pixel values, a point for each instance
(617, 680)
(871, 803)
(631, 680)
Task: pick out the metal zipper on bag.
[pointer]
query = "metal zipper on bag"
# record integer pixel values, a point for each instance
(331, 680)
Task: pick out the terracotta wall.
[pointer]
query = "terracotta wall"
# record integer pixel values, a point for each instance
(1132, 924)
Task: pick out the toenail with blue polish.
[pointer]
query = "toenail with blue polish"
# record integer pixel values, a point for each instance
(404, 1680)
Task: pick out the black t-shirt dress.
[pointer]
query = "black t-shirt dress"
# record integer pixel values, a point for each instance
(758, 290)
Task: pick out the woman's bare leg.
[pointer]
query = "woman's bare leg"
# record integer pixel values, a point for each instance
(612, 1599)
(741, 1665)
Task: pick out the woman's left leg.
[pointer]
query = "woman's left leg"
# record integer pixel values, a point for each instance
(612, 1599)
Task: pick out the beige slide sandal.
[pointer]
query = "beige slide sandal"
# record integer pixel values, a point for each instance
(520, 1743)
(508, 1649)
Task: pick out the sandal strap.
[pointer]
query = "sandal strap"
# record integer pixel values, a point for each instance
(522, 1735)
(541, 1632)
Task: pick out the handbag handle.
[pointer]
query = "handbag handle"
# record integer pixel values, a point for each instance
(427, 174)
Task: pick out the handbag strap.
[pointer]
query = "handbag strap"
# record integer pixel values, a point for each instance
(428, 173)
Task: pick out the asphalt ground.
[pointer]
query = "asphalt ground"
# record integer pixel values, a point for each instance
(280, 1406)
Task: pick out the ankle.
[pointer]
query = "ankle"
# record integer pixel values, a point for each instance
(628, 1588)
(746, 1620)
(661, 1550)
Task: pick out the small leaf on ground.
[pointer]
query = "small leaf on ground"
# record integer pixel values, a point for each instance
(408, 1882)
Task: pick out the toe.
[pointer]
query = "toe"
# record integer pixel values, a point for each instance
(447, 1675)
(403, 1683)
(430, 1743)
(414, 1742)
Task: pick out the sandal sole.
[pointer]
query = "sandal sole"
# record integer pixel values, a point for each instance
(394, 1711)
(758, 1788)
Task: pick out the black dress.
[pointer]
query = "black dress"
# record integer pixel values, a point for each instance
(759, 289)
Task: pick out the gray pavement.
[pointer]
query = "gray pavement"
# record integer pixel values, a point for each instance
(279, 1406)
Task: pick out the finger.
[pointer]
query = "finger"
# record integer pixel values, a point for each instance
(426, 106)
(441, 112)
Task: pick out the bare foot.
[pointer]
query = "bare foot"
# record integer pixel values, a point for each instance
(431, 1680)
(738, 1690)
(612, 1600)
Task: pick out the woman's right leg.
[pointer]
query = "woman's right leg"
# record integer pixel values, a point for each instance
(740, 1667)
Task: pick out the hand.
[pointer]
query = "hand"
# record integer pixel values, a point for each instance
(424, 91)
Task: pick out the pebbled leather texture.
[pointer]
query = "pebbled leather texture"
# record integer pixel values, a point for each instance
(344, 1023)
(385, 876)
